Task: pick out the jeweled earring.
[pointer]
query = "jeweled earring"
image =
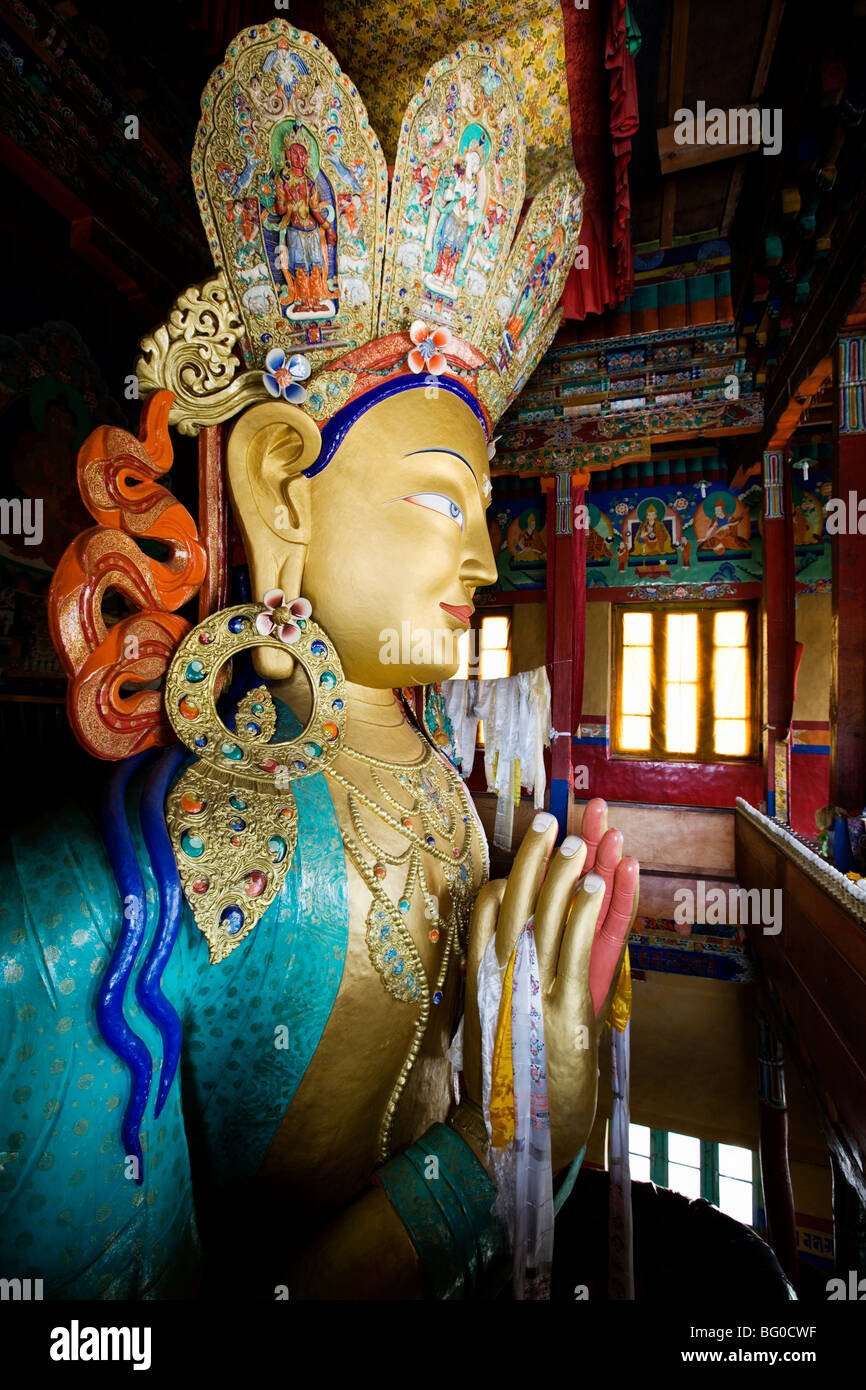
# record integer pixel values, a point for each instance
(232, 816)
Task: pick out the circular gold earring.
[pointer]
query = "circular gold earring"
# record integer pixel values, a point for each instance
(231, 815)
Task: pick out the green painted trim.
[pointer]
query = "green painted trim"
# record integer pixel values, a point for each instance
(710, 1172)
(659, 1157)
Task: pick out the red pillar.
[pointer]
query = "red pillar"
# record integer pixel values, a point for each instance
(848, 549)
(566, 552)
(778, 629)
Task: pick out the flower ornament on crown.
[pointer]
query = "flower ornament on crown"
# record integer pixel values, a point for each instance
(428, 353)
(365, 286)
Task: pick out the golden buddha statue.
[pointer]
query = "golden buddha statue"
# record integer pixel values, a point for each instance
(325, 847)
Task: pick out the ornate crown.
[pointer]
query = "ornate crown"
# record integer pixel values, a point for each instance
(323, 288)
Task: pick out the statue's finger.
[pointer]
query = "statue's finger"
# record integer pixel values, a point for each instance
(572, 969)
(485, 914)
(524, 881)
(554, 901)
(593, 827)
(613, 932)
(606, 860)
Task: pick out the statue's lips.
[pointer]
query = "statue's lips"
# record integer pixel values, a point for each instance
(464, 613)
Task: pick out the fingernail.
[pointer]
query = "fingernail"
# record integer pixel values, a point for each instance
(542, 820)
(592, 883)
(570, 845)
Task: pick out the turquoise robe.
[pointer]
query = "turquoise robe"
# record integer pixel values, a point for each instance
(69, 1214)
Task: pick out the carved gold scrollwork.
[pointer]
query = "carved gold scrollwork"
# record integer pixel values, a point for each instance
(193, 356)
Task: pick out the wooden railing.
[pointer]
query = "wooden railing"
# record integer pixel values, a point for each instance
(815, 970)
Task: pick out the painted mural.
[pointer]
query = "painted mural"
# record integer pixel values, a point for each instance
(696, 534)
(518, 535)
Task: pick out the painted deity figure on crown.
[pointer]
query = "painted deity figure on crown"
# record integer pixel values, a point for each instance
(278, 996)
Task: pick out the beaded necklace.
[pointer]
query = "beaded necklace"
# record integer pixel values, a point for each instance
(439, 805)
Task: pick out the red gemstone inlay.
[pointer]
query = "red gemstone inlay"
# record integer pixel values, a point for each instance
(201, 885)
(256, 883)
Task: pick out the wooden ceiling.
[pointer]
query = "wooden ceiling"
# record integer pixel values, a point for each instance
(694, 50)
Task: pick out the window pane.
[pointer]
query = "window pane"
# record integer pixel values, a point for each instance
(681, 718)
(639, 1167)
(462, 672)
(729, 683)
(493, 664)
(635, 732)
(683, 1148)
(682, 647)
(639, 1139)
(636, 671)
(735, 1162)
(494, 633)
(684, 1180)
(730, 630)
(735, 1199)
(637, 629)
(731, 737)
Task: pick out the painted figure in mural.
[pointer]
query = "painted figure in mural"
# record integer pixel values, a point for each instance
(529, 540)
(304, 222)
(598, 547)
(722, 533)
(653, 536)
(289, 905)
(460, 199)
(808, 520)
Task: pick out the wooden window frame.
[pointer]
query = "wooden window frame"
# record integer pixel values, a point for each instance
(705, 751)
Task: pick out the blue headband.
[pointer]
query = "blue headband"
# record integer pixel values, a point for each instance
(335, 431)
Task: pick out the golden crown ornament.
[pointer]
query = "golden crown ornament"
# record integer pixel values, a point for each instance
(231, 815)
(323, 282)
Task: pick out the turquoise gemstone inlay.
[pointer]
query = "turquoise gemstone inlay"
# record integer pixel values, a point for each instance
(238, 803)
(313, 750)
(328, 680)
(195, 672)
(191, 844)
(277, 847)
(232, 752)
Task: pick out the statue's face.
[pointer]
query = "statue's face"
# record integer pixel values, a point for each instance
(297, 157)
(397, 530)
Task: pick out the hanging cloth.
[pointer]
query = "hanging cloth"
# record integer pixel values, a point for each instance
(516, 1110)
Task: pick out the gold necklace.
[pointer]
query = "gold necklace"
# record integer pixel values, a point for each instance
(438, 802)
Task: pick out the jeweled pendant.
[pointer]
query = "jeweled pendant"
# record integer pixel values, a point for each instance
(229, 892)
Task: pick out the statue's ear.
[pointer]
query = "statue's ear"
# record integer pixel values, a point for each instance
(269, 449)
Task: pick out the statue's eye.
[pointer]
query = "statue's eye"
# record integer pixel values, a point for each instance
(437, 502)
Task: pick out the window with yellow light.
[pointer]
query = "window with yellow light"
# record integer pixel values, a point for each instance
(683, 683)
(485, 652)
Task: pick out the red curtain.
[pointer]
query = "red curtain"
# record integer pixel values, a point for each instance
(602, 93)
